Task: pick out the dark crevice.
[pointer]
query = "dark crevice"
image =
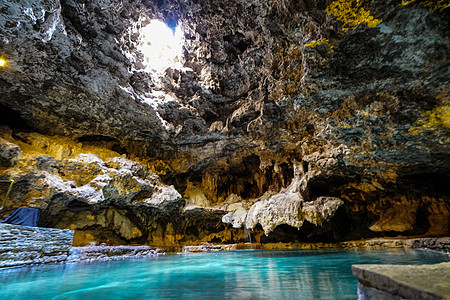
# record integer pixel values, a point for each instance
(432, 184)
(325, 185)
(344, 226)
(13, 119)
(103, 141)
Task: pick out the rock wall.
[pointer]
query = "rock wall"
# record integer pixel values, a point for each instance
(106, 198)
(22, 245)
(304, 120)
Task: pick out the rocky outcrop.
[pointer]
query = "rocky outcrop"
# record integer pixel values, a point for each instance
(9, 154)
(288, 207)
(105, 197)
(304, 120)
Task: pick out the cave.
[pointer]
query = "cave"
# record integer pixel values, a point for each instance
(233, 112)
(134, 128)
(178, 123)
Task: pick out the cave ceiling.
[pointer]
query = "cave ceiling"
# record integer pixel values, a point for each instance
(354, 94)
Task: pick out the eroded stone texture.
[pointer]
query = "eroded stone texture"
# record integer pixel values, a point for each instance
(272, 95)
(103, 253)
(106, 198)
(288, 207)
(9, 153)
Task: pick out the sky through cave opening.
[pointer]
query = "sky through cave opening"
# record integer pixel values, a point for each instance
(161, 46)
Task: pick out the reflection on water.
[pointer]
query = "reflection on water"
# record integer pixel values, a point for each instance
(260, 274)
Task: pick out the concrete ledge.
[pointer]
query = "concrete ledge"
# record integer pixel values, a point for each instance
(403, 281)
(23, 245)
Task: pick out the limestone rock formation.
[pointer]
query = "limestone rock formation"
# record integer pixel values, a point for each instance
(111, 200)
(307, 120)
(9, 153)
(280, 209)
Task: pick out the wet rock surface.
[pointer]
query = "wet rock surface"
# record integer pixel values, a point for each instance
(304, 120)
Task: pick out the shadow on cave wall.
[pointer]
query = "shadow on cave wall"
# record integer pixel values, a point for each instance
(346, 225)
(245, 179)
(13, 119)
(106, 142)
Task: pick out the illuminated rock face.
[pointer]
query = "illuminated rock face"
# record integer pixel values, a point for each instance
(277, 105)
(105, 197)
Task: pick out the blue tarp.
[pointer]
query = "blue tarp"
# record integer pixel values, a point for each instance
(25, 216)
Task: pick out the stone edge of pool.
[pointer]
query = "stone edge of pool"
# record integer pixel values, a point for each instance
(403, 281)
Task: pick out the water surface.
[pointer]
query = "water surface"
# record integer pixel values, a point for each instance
(259, 274)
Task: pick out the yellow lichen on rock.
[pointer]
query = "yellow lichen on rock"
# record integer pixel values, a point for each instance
(316, 43)
(406, 2)
(158, 167)
(351, 13)
(435, 121)
(59, 147)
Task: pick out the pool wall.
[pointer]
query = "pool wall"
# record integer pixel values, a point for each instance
(22, 245)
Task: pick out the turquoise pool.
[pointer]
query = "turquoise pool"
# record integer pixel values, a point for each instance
(259, 274)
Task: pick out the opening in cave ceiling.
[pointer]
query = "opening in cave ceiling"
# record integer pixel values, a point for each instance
(161, 46)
